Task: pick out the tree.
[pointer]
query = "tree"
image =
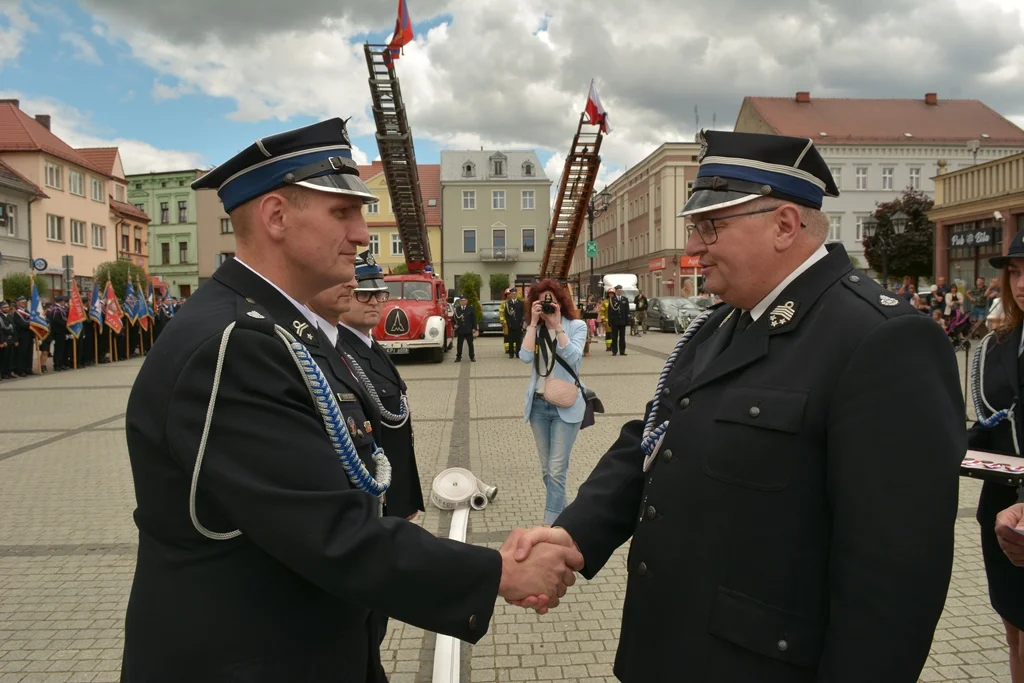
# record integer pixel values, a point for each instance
(400, 269)
(20, 284)
(470, 285)
(914, 249)
(118, 272)
(499, 283)
(855, 262)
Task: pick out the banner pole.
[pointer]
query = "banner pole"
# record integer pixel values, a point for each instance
(74, 352)
(96, 344)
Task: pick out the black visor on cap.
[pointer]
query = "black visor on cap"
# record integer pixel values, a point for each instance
(340, 183)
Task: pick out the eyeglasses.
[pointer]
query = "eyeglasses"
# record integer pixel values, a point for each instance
(364, 297)
(708, 231)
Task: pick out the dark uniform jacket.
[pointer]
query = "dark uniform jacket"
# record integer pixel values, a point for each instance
(290, 599)
(796, 525)
(618, 310)
(514, 316)
(464, 320)
(404, 496)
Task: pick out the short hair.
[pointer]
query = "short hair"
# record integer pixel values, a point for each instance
(242, 216)
(815, 221)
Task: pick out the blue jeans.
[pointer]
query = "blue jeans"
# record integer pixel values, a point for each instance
(554, 443)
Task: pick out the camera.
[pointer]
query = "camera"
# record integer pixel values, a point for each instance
(546, 307)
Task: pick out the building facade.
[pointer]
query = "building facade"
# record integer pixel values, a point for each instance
(977, 211)
(17, 194)
(637, 230)
(876, 149)
(130, 224)
(170, 202)
(74, 219)
(496, 216)
(215, 234)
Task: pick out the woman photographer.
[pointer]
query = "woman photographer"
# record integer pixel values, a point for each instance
(554, 404)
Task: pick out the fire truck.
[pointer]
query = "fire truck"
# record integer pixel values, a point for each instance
(417, 317)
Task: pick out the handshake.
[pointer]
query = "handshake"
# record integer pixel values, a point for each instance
(537, 567)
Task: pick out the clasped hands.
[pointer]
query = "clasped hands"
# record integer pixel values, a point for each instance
(537, 567)
(1009, 533)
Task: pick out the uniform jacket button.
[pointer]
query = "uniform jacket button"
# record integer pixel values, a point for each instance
(641, 569)
(472, 622)
(782, 645)
(651, 512)
(666, 455)
(854, 278)
(684, 403)
(666, 391)
(754, 411)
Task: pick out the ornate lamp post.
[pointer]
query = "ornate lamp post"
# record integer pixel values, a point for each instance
(886, 241)
(606, 197)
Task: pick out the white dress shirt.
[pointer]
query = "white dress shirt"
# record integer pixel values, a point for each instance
(758, 310)
(368, 340)
(309, 315)
(330, 330)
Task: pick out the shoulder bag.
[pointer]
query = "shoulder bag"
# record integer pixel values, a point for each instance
(594, 404)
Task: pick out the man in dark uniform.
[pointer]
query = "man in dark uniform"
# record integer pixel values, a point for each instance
(7, 339)
(789, 527)
(618, 320)
(24, 338)
(262, 553)
(513, 316)
(59, 334)
(464, 322)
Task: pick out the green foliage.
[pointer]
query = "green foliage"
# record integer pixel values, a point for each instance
(20, 284)
(499, 283)
(118, 272)
(400, 269)
(855, 262)
(470, 285)
(914, 250)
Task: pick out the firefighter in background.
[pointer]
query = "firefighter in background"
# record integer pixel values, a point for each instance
(603, 317)
(512, 316)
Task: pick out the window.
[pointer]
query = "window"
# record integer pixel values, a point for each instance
(862, 178)
(141, 207)
(8, 220)
(183, 211)
(498, 238)
(529, 240)
(165, 253)
(124, 243)
(837, 176)
(99, 236)
(97, 190)
(469, 241)
(915, 178)
(396, 244)
(138, 186)
(689, 191)
(76, 183)
(54, 176)
(374, 245)
(165, 213)
(54, 228)
(119, 192)
(527, 169)
(835, 228)
(498, 200)
(469, 200)
(224, 256)
(498, 167)
(887, 175)
(138, 245)
(78, 232)
(468, 170)
(528, 200)
(182, 252)
(373, 209)
(860, 229)
(163, 183)
(226, 227)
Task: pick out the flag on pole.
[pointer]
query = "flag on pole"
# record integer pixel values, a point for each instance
(595, 110)
(141, 306)
(403, 34)
(96, 307)
(150, 303)
(129, 303)
(112, 313)
(76, 311)
(36, 316)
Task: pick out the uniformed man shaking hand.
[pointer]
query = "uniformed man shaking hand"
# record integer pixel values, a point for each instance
(787, 524)
(262, 553)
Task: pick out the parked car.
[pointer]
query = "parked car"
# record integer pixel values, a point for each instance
(489, 321)
(663, 311)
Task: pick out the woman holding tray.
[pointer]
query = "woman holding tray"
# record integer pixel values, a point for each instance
(997, 378)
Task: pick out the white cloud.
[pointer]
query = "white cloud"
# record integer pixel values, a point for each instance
(76, 129)
(18, 26)
(84, 50)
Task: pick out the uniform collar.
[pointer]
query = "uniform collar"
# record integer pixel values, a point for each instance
(762, 306)
(330, 331)
(302, 308)
(362, 337)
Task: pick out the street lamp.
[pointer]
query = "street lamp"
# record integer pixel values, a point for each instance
(606, 197)
(886, 243)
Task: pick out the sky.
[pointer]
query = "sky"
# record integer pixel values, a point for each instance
(188, 83)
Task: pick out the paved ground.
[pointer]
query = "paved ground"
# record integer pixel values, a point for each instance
(67, 541)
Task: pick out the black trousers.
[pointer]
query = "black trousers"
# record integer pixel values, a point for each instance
(469, 339)
(514, 338)
(23, 354)
(7, 359)
(618, 339)
(60, 350)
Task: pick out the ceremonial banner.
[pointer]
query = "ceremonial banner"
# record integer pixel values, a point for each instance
(403, 34)
(595, 111)
(96, 307)
(141, 307)
(76, 311)
(112, 315)
(130, 304)
(36, 316)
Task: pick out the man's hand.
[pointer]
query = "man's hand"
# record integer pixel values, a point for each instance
(520, 543)
(537, 579)
(1010, 541)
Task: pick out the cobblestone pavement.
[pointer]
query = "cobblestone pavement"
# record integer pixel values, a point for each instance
(67, 541)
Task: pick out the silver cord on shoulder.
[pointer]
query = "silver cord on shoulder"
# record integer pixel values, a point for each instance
(388, 419)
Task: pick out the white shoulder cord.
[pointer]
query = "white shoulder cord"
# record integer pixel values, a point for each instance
(978, 394)
(327, 405)
(386, 415)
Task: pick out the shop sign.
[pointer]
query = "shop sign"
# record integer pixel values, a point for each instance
(981, 237)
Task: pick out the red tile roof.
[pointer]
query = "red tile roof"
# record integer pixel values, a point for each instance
(866, 121)
(19, 132)
(128, 211)
(11, 177)
(101, 157)
(430, 188)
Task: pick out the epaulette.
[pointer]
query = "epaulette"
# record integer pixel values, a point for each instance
(883, 300)
(251, 316)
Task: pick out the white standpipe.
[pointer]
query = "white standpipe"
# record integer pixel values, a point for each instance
(447, 651)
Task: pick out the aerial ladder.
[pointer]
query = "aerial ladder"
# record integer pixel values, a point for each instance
(575, 189)
(394, 139)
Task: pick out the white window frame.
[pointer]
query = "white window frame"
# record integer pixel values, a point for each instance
(77, 232)
(11, 212)
(861, 174)
(469, 200)
(98, 189)
(522, 240)
(226, 226)
(374, 247)
(119, 193)
(76, 182)
(888, 177)
(373, 209)
(859, 227)
(495, 195)
(529, 200)
(504, 238)
(476, 245)
(528, 169)
(99, 236)
(835, 227)
(837, 175)
(182, 208)
(54, 175)
(915, 177)
(498, 168)
(396, 245)
(54, 226)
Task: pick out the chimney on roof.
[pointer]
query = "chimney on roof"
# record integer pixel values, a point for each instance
(14, 102)
(803, 96)
(931, 98)
(44, 120)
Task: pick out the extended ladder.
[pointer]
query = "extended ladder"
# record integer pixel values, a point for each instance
(574, 192)
(394, 139)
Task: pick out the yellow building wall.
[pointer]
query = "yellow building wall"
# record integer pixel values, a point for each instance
(382, 224)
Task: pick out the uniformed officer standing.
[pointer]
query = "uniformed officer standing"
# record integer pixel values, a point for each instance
(618, 320)
(262, 554)
(24, 338)
(512, 318)
(792, 527)
(7, 339)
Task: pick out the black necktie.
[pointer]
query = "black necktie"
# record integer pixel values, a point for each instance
(741, 325)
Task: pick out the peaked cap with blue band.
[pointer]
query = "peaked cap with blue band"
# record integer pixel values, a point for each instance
(739, 167)
(318, 157)
(369, 276)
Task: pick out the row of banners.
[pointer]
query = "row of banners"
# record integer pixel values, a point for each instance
(102, 310)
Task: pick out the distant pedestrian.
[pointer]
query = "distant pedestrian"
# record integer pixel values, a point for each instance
(464, 321)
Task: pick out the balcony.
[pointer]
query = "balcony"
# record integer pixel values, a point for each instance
(499, 254)
(983, 181)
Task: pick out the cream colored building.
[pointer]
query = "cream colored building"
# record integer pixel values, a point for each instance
(637, 231)
(215, 234)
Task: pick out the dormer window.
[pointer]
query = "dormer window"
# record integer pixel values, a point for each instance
(468, 170)
(498, 165)
(528, 169)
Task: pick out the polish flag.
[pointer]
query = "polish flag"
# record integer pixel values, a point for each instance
(403, 34)
(596, 112)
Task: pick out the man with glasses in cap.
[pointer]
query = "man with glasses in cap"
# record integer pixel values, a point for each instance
(791, 527)
(263, 555)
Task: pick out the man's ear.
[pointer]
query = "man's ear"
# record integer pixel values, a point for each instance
(273, 210)
(787, 226)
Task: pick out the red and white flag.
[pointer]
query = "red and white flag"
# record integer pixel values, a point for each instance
(595, 111)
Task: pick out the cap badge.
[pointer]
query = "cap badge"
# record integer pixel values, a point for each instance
(254, 314)
(886, 300)
(782, 314)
